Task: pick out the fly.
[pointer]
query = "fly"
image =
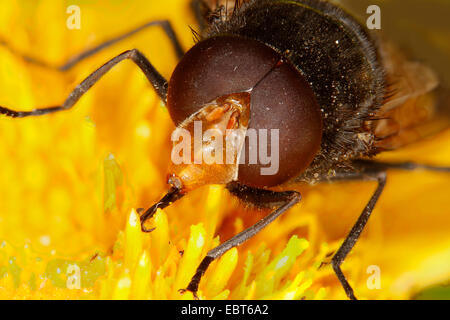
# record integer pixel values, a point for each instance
(328, 92)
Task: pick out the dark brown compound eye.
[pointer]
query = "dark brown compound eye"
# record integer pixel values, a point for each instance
(285, 102)
(281, 100)
(214, 68)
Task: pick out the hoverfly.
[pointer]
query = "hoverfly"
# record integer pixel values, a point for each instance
(336, 93)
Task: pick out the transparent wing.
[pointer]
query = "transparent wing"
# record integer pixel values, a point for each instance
(416, 105)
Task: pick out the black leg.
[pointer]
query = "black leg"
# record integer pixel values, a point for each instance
(286, 200)
(155, 78)
(167, 27)
(367, 170)
(205, 13)
(201, 12)
(355, 232)
(172, 195)
(408, 166)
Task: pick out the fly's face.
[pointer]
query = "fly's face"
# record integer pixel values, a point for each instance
(211, 143)
(227, 83)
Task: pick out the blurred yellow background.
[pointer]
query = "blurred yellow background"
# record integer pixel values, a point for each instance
(69, 181)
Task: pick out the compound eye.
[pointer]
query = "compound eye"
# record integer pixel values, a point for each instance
(281, 100)
(282, 104)
(216, 67)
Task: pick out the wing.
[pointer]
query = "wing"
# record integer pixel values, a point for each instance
(416, 106)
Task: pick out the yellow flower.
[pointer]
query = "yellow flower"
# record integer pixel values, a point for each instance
(69, 183)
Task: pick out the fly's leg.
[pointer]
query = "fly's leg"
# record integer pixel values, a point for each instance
(355, 232)
(155, 78)
(172, 195)
(367, 170)
(408, 166)
(283, 201)
(164, 24)
(202, 12)
(209, 11)
(362, 173)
